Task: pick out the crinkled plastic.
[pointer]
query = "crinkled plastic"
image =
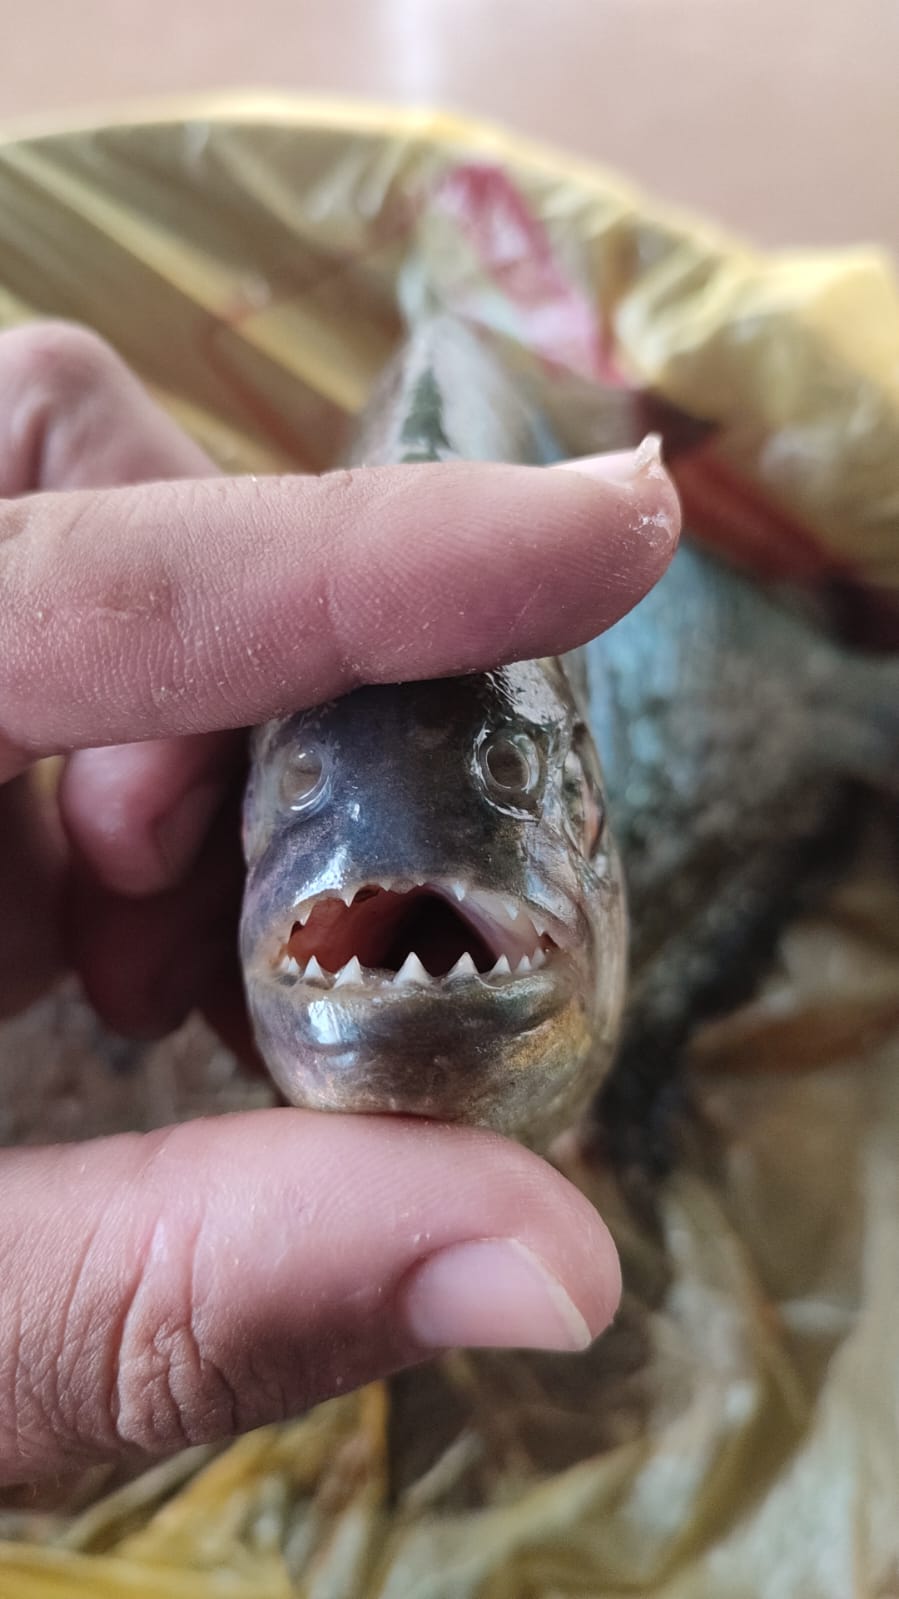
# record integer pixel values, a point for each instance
(737, 1432)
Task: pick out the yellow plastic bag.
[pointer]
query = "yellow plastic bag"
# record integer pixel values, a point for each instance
(737, 1432)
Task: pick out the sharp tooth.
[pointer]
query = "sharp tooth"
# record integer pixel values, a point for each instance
(348, 895)
(524, 966)
(513, 909)
(290, 966)
(412, 971)
(502, 967)
(350, 973)
(464, 967)
(458, 889)
(313, 972)
(538, 959)
(304, 914)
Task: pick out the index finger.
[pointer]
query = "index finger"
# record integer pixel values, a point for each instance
(174, 608)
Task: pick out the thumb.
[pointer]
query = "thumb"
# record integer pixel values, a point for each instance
(184, 1286)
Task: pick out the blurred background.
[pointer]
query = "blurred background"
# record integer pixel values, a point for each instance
(777, 117)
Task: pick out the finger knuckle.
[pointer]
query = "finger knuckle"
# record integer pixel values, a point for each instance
(145, 1375)
(147, 1368)
(181, 1374)
(171, 1392)
(168, 1387)
(350, 499)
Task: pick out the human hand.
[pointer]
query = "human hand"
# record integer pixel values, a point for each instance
(182, 1286)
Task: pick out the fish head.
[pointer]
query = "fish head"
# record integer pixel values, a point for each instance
(434, 919)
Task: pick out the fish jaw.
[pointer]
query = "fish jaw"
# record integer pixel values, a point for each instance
(513, 1033)
(507, 1054)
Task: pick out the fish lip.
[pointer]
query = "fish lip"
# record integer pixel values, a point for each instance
(487, 910)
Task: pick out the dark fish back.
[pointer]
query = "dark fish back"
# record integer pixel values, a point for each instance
(732, 732)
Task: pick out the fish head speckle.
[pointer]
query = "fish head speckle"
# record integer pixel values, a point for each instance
(434, 918)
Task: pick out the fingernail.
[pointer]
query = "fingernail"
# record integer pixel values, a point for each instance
(621, 467)
(490, 1294)
(180, 832)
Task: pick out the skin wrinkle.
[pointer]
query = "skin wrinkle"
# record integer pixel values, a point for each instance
(227, 1409)
(36, 1381)
(200, 1402)
(64, 1383)
(221, 1413)
(331, 559)
(452, 551)
(131, 1347)
(331, 599)
(118, 1337)
(233, 676)
(149, 1414)
(30, 1412)
(352, 616)
(22, 566)
(60, 1389)
(253, 1377)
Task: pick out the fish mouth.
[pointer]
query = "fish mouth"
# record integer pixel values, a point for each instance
(402, 935)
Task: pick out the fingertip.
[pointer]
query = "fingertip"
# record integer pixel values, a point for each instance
(108, 816)
(640, 475)
(507, 1252)
(138, 814)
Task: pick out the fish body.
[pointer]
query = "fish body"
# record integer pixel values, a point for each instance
(417, 839)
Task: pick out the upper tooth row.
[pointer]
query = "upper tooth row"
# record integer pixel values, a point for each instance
(411, 971)
(390, 884)
(512, 907)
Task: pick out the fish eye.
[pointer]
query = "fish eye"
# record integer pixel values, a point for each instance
(510, 766)
(304, 778)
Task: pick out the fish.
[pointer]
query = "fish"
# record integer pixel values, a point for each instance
(434, 920)
(507, 898)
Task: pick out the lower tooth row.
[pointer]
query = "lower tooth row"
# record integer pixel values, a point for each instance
(411, 972)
